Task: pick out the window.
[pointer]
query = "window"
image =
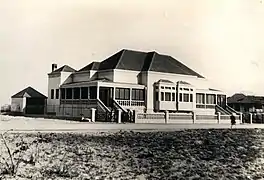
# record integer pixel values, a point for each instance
(76, 93)
(127, 94)
(180, 88)
(93, 92)
(84, 93)
(122, 93)
(191, 89)
(52, 94)
(191, 97)
(117, 93)
(173, 88)
(157, 96)
(138, 94)
(180, 97)
(162, 96)
(185, 97)
(185, 89)
(167, 87)
(200, 98)
(167, 96)
(173, 96)
(57, 93)
(69, 93)
(62, 93)
(210, 99)
(162, 87)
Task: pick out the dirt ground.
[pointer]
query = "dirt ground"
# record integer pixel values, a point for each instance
(184, 154)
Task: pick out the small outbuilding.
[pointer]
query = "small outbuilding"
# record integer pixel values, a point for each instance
(28, 101)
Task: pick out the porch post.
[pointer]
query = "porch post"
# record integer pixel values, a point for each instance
(72, 93)
(114, 89)
(130, 99)
(205, 100)
(80, 88)
(98, 90)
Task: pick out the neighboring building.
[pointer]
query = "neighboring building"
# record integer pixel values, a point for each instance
(142, 81)
(28, 101)
(244, 104)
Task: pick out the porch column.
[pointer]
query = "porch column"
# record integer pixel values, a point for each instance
(88, 91)
(97, 92)
(80, 88)
(130, 98)
(114, 93)
(205, 100)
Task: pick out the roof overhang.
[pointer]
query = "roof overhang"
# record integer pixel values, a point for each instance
(103, 84)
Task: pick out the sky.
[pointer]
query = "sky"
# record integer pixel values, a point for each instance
(221, 39)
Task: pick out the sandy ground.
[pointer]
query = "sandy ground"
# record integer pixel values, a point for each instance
(185, 154)
(23, 124)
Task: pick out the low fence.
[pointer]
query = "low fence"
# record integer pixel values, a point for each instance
(177, 118)
(72, 111)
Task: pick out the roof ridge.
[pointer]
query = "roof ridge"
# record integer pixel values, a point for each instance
(120, 57)
(154, 53)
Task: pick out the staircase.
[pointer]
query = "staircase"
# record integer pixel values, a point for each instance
(225, 111)
(221, 110)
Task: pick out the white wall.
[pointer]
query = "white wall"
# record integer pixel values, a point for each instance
(105, 74)
(124, 76)
(53, 83)
(81, 77)
(153, 77)
(18, 104)
(65, 76)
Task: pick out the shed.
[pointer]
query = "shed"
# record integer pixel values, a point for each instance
(28, 101)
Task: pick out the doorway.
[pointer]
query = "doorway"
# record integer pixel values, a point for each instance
(106, 95)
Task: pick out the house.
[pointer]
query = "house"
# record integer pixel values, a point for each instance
(28, 101)
(245, 103)
(132, 80)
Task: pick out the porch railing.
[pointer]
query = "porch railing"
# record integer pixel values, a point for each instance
(118, 106)
(79, 101)
(205, 106)
(130, 103)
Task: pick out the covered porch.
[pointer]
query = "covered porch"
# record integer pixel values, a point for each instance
(125, 94)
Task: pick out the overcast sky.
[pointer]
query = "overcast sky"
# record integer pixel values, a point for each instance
(221, 39)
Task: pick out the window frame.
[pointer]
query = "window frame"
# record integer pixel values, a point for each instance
(52, 93)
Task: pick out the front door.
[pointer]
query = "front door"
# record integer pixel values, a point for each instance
(105, 95)
(221, 101)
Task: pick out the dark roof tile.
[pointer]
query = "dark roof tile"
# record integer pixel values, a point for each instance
(145, 61)
(64, 68)
(92, 66)
(30, 91)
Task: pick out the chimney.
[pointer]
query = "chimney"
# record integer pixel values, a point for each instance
(54, 67)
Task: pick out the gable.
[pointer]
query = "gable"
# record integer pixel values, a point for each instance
(29, 92)
(64, 68)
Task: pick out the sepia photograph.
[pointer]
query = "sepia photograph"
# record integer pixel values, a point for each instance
(132, 89)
